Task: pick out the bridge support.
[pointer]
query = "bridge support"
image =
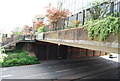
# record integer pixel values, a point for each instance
(50, 51)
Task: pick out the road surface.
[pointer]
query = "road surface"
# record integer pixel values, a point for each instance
(85, 68)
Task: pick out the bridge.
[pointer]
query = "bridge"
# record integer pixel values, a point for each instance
(67, 43)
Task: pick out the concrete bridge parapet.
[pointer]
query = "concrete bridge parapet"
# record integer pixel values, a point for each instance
(78, 37)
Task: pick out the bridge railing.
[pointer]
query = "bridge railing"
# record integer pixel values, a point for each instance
(6, 39)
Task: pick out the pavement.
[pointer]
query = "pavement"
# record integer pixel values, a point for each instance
(73, 69)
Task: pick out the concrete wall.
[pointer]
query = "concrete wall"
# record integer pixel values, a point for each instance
(78, 37)
(26, 46)
(75, 34)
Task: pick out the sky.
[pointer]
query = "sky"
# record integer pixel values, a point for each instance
(17, 13)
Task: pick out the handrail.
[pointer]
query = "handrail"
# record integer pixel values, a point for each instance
(9, 44)
(15, 39)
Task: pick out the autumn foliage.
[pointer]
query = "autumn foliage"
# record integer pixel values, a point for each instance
(38, 24)
(54, 14)
(27, 30)
(26, 27)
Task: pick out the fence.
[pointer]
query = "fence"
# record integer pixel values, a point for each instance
(85, 15)
(7, 39)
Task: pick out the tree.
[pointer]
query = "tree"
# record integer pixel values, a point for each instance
(54, 15)
(26, 29)
(38, 24)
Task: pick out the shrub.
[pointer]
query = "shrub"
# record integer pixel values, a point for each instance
(21, 58)
(103, 28)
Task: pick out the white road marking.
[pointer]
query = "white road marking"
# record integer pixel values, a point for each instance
(49, 67)
(7, 75)
(62, 70)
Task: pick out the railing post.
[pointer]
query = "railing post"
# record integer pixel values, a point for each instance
(63, 23)
(118, 6)
(24, 37)
(83, 17)
(68, 22)
(77, 16)
(111, 7)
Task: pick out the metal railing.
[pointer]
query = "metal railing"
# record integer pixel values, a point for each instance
(13, 39)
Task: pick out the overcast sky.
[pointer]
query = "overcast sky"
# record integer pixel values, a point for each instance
(17, 13)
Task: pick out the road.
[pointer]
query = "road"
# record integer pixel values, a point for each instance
(84, 68)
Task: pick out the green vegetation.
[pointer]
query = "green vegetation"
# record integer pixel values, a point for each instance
(17, 58)
(18, 33)
(102, 23)
(103, 28)
(41, 29)
(97, 11)
(68, 27)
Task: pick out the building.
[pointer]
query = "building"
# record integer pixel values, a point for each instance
(81, 10)
(75, 6)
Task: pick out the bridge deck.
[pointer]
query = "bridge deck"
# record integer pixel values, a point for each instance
(93, 47)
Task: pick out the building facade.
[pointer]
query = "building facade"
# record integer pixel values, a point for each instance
(81, 10)
(75, 6)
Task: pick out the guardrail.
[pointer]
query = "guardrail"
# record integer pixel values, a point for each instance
(10, 39)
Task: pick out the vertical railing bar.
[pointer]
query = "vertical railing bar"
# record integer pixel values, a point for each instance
(83, 19)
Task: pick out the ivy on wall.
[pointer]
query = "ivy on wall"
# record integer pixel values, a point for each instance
(103, 28)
